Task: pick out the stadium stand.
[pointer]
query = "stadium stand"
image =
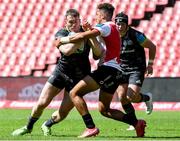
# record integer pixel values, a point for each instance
(28, 28)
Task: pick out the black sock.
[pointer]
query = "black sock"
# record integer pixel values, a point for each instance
(144, 98)
(130, 117)
(50, 122)
(31, 122)
(128, 108)
(88, 121)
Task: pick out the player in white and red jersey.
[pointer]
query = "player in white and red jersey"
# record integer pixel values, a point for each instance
(109, 34)
(107, 77)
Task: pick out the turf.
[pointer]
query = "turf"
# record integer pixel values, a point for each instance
(160, 126)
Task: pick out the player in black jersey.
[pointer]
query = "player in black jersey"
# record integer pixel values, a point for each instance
(133, 64)
(72, 66)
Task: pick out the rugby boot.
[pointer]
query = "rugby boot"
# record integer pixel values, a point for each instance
(45, 129)
(21, 131)
(89, 133)
(149, 104)
(140, 128)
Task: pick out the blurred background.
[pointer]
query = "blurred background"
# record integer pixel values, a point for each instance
(27, 56)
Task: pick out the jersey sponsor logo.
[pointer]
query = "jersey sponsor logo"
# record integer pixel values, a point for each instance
(107, 78)
(128, 51)
(108, 85)
(31, 92)
(102, 81)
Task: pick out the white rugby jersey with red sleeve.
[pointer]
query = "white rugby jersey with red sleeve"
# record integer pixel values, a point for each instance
(110, 35)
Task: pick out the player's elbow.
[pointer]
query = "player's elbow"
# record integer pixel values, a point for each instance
(154, 47)
(151, 46)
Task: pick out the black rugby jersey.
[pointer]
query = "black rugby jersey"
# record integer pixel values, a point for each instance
(132, 53)
(76, 64)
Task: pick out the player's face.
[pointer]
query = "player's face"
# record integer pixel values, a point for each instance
(99, 16)
(73, 23)
(122, 27)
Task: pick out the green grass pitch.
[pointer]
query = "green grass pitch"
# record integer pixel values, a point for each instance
(160, 126)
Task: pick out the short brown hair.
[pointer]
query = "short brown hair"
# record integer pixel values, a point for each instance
(107, 7)
(72, 12)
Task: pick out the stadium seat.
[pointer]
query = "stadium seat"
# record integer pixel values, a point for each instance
(28, 28)
(150, 6)
(162, 2)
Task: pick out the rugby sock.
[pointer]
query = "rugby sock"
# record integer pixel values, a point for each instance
(50, 122)
(129, 119)
(31, 122)
(144, 98)
(88, 121)
(128, 108)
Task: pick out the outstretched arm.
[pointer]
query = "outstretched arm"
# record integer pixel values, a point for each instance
(70, 48)
(78, 37)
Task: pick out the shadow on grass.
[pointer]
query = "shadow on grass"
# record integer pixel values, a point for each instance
(119, 137)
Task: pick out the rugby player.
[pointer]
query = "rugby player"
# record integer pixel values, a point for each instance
(72, 66)
(133, 65)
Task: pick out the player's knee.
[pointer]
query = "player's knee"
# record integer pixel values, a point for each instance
(133, 98)
(72, 94)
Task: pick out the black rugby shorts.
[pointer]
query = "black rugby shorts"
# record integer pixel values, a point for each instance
(107, 77)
